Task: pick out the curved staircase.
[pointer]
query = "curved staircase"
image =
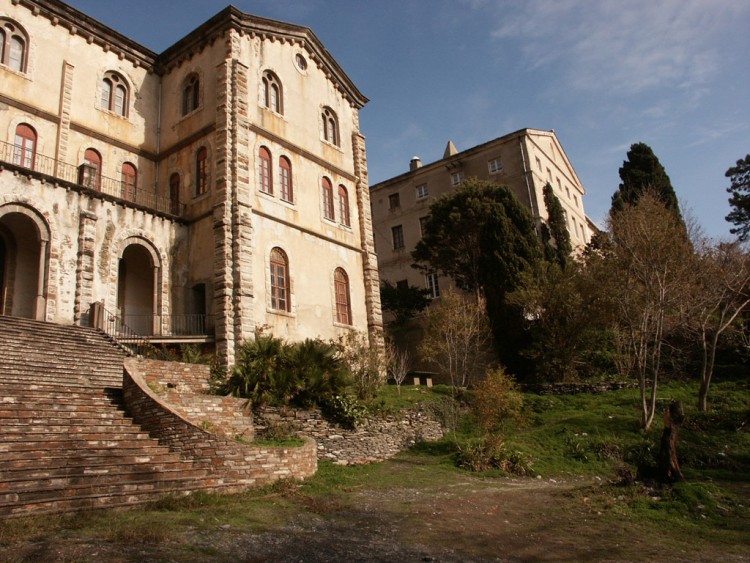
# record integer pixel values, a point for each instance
(65, 441)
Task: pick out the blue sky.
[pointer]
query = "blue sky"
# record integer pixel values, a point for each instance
(602, 73)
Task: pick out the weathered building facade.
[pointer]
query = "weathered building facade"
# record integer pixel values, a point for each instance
(525, 161)
(209, 189)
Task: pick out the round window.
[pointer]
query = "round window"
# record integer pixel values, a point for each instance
(301, 61)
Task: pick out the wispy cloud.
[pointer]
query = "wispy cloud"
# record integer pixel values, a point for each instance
(626, 47)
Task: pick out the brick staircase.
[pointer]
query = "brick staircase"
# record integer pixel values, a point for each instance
(65, 441)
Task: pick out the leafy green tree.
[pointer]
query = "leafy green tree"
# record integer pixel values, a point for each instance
(555, 235)
(647, 274)
(484, 239)
(739, 198)
(403, 301)
(457, 336)
(643, 172)
(562, 317)
(721, 295)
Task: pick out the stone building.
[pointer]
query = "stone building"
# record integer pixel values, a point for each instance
(194, 193)
(525, 161)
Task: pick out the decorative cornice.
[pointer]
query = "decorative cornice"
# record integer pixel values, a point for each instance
(78, 23)
(255, 26)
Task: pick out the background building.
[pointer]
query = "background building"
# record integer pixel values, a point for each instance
(525, 161)
(220, 184)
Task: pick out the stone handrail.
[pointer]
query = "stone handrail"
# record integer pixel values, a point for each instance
(229, 462)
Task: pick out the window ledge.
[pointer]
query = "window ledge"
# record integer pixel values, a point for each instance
(280, 313)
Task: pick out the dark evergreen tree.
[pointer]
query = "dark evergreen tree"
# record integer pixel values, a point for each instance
(484, 239)
(555, 235)
(643, 172)
(739, 198)
(403, 301)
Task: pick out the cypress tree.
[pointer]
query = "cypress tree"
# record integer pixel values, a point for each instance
(643, 172)
(556, 230)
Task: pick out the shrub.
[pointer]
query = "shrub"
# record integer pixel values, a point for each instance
(256, 374)
(365, 363)
(345, 410)
(270, 371)
(489, 452)
(497, 400)
(318, 372)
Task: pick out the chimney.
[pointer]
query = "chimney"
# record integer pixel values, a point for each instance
(415, 163)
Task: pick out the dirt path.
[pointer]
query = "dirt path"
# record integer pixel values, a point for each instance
(467, 520)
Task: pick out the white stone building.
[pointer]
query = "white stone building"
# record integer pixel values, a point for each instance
(199, 192)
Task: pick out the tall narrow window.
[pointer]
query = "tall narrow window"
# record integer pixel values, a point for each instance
(279, 280)
(129, 180)
(343, 302)
(190, 94)
(328, 212)
(264, 171)
(201, 171)
(330, 126)
(433, 285)
(13, 45)
(272, 92)
(397, 234)
(174, 193)
(114, 94)
(394, 201)
(344, 206)
(24, 150)
(90, 174)
(285, 179)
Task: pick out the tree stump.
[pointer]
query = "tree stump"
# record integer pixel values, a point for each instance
(668, 469)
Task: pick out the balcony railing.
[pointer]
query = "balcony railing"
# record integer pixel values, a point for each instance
(161, 326)
(88, 177)
(136, 332)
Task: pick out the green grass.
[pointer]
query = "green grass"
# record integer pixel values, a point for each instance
(597, 434)
(390, 400)
(564, 436)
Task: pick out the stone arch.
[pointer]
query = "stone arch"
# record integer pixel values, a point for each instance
(138, 270)
(25, 270)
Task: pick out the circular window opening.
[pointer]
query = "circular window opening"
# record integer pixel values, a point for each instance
(301, 61)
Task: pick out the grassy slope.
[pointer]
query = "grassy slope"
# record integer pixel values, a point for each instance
(566, 437)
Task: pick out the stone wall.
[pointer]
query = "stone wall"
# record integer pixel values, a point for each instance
(377, 438)
(227, 461)
(575, 388)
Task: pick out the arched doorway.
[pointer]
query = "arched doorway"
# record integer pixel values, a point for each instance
(136, 289)
(23, 263)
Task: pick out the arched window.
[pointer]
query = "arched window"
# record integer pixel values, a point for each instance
(14, 45)
(190, 94)
(330, 126)
(91, 170)
(174, 193)
(115, 94)
(344, 206)
(201, 171)
(264, 171)
(328, 199)
(24, 150)
(343, 303)
(129, 181)
(285, 179)
(279, 281)
(272, 92)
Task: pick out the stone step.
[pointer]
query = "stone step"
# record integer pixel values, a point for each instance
(96, 501)
(14, 451)
(63, 471)
(83, 435)
(37, 482)
(7, 431)
(91, 462)
(95, 489)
